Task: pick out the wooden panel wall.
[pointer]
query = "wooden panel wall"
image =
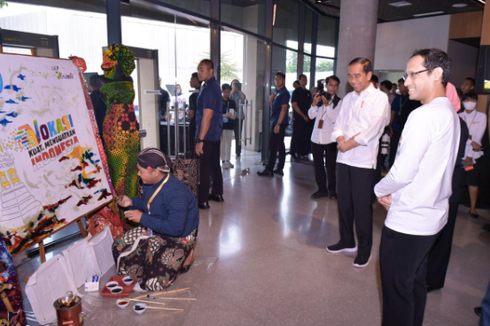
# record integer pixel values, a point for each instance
(466, 25)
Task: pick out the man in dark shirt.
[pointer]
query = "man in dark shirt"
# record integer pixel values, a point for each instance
(468, 85)
(191, 112)
(163, 99)
(279, 121)
(209, 125)
(300, 142)
(99, 106)
(401, 107)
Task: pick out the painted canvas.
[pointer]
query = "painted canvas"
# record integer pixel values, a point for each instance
(52, 166)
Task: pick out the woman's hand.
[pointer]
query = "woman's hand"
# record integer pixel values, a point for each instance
(476, 146)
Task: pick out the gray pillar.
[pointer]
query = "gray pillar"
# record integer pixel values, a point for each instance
(114, 34)
(357, 35)
(216, 39)
(264, 154)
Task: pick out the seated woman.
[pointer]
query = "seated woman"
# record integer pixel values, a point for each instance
(162, 247)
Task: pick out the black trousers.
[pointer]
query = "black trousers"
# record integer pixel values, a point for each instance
(209, 167)
(394, 140)
(276, 144)
(355, 192)
(403, 266)
(438, 260)
(238, 143)
(300, 140)
(329, 152)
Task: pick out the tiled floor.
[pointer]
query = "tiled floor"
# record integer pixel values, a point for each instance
(273, 269)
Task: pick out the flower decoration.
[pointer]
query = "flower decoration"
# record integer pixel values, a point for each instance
(118, 54)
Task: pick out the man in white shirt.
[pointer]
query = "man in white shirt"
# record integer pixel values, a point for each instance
(416, 190)
(325, 112)
(364, 115)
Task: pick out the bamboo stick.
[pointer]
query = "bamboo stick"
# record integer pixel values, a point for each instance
(184, 299)
(161, 303)
(171, 309)
(160, 293)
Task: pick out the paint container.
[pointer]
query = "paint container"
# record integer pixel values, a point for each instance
(122, 303)
(69, 315)
(116, 289)
(139, 308)
(112, 284)
(128, 280)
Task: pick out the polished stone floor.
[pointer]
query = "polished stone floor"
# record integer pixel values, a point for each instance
(273, 269)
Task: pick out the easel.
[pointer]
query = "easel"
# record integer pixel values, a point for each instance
(42, 250)
(40, 242)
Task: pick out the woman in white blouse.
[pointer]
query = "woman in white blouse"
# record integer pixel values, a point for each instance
(477, 123)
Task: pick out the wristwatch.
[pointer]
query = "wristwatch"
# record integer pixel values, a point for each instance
(199, 141)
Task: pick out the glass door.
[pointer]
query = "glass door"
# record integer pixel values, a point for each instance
(243, 65)
(181, 42)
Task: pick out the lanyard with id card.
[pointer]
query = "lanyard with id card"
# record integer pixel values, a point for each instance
(320, 122)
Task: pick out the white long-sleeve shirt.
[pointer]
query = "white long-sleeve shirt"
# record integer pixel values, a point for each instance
(420, 179)
(367, 113)
(328, 114)
(477, 123)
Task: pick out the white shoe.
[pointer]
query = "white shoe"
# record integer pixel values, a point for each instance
(230, 165)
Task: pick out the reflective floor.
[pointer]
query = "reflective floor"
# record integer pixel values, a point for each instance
(273, 269)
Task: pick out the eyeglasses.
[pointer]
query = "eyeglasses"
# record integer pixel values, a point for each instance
(413, 74)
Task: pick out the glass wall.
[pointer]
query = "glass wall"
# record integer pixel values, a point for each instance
(306, 71)
(308, 30)
(246, 14)
(327, 31)
(285, 61)
(324, 68)
(201, 7)
(80, 33)
(285, 23)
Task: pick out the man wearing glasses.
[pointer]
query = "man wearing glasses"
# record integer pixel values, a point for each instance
(417, 188)
(324, 110)
(361, 121)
